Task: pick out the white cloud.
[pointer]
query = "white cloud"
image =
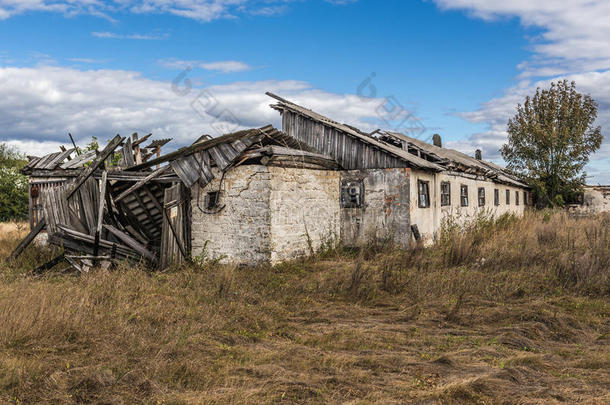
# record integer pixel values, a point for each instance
(574, 45)
(114, 35)
(227, 66)
(41, 105)
(201, 10)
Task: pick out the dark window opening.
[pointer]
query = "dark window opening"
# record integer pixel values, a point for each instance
(464, 195)
(423, 188)
(516, 198)
(507, 197)
(213, 197)
(352, 194)
(445, 193)
(496, 197)
(481, 196)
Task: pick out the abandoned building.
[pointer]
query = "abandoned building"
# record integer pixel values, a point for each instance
(258, 195)
(592, 200)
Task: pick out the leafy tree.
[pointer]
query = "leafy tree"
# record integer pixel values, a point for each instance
(550, 140)
(13, 185)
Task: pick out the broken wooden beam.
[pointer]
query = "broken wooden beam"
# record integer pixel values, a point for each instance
(48, 265)
(140, 183)
(97, 162)
(28, 239)
(100, 214)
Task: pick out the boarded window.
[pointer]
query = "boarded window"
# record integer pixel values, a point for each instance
(213, 197)
(516, 198)
(507, 197)
(481, 196)
(352, 193)
(445, 193)
(423, 188)
(496, 197)
(464, 195)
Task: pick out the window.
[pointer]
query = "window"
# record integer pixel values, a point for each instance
(445, 193)
(213, 197)
(525, 198)
(516, 198)
(507, 197)
(464, 195)
(423, 188)
(352, 193)
(481, 196)
(496, 197)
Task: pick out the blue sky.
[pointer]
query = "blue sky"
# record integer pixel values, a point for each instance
(456, 67)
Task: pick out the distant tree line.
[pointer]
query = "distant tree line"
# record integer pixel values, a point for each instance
(13, 185)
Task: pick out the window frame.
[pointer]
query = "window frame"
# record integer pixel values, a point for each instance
(420, 184)
(496, 197)
(464, 195)
(479, 199)
(516, 197)
(507, 197)
(446, 197)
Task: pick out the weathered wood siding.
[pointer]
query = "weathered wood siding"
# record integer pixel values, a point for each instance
(175, 241)
(349, 152)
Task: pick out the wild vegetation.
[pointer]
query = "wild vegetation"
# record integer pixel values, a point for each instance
(13, 185)
(550, 140)
(507, 311)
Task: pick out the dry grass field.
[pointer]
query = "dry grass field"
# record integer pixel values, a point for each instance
(514, 312)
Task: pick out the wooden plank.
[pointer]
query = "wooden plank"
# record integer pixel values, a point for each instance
(140, 183)
(187, 168)
(218, 157)
(132, 243)
(79, 160)
(28, 239)
(48, 265)
(137, 142)
(228, 151)
(97, 162)
(136, 148)
(128, 159)
(100, 214)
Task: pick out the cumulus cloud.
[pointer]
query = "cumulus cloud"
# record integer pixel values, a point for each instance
(41, 105)
(201, 10)
(574, 46)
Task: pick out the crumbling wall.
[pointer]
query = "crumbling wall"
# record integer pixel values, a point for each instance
(384, 210)
(304, 207)
(596, 199)
(239, 232)
(270, 214)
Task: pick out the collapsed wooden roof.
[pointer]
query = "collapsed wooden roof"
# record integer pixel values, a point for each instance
(122, 216)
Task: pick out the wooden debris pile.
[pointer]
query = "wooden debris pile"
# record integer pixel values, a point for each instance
(127, 202)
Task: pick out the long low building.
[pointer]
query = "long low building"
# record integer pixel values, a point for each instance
(263, 194)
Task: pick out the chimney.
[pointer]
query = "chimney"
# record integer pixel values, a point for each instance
(478, 155)
(436, 140)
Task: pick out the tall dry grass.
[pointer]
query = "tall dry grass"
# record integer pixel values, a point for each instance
(313, 330)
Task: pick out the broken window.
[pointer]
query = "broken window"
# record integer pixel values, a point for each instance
(507, 197)
(496, 197)
(352, 194)
(481, 196)
(464, 195)
(213, 197)
(516, 198)
(445, 193)
(423, 188)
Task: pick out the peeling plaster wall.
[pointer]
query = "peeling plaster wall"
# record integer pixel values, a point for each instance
(241, 231)
(596, 199)
(304, 206)
(385, 210)
(429, 220)
(268, 213)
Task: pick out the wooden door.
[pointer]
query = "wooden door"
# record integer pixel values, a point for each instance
(175, 239)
